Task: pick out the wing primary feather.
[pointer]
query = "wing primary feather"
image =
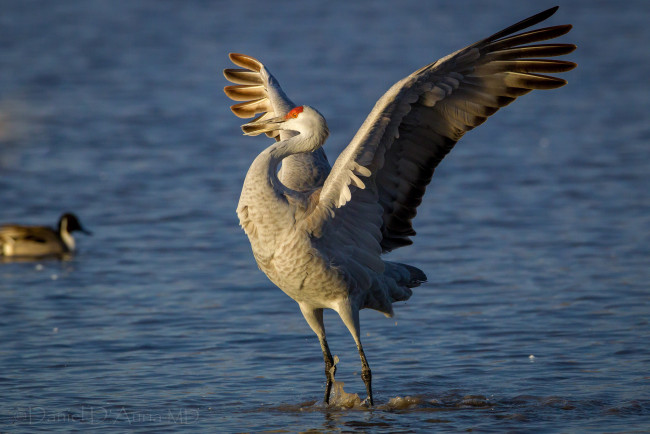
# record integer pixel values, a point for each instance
(523, 24)
(528, 37)
(245, 61)
(242, 76)
(245, 92)
(251, 108)
(522, 66)
(542, 50)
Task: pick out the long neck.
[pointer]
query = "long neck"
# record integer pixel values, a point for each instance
(266, 206)
(262, 177)
(262, 188)
(304, 172)
(301, 143)
(293, 146)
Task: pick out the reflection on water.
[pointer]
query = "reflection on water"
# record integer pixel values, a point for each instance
(534, 232)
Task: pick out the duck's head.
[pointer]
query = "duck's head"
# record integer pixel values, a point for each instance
(70, 223)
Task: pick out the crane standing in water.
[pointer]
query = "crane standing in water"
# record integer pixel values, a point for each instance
(318, 232)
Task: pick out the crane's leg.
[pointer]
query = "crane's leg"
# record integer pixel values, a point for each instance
(350, 317)
(330, 369)
(314, 318)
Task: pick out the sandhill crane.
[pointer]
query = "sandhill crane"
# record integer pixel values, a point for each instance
(318, 233)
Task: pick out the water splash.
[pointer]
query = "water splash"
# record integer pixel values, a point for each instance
(399, 403)
(338, 396)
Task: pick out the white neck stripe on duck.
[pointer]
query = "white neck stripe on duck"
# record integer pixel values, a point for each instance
(65, 234)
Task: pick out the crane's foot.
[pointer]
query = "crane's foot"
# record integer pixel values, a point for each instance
(366, 375)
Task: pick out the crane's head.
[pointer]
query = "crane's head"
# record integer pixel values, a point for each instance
(303, 119)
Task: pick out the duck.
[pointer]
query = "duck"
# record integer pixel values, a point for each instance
(38, 241)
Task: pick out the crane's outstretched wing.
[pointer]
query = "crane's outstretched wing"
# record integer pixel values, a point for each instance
(389, 163)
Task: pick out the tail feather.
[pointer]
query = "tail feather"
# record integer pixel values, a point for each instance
(405, 276)
(417, 276)
(395, 285)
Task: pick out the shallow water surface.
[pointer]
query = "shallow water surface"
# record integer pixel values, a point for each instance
(534, 233)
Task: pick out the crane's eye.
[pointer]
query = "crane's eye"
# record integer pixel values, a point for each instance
(294, 112)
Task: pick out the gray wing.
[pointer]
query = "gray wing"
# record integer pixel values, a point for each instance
(262, 95)
(413, 126)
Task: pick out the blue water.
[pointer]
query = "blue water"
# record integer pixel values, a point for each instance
(534, 232)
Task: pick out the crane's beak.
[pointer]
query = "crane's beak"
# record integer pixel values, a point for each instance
(262, 126)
